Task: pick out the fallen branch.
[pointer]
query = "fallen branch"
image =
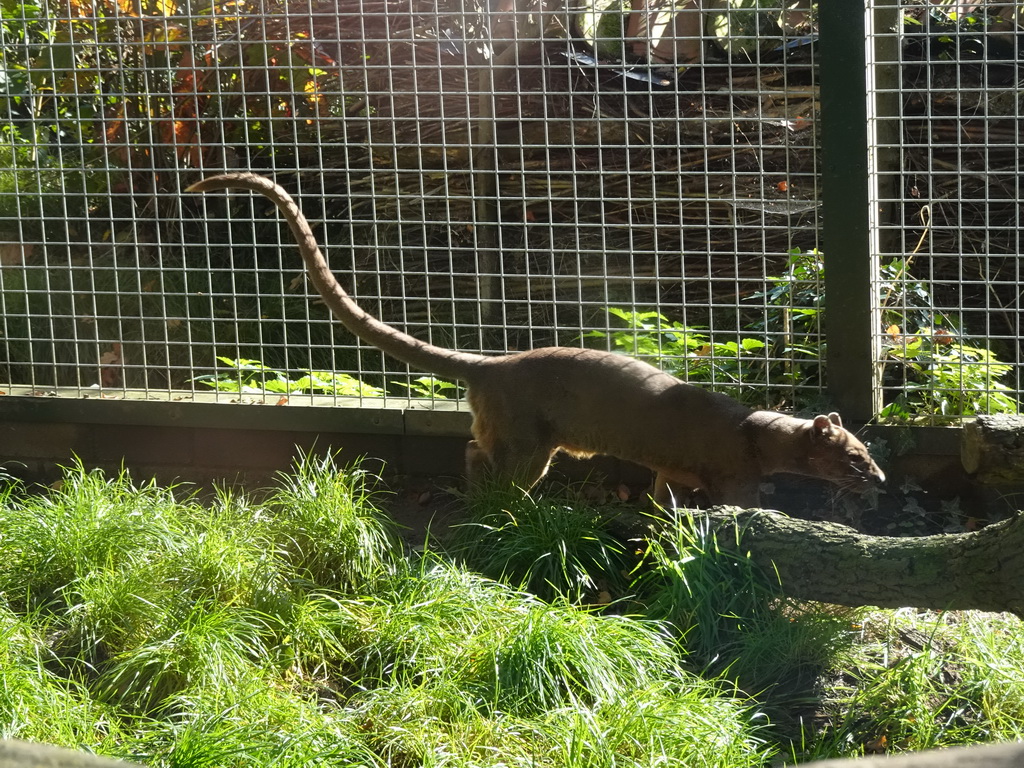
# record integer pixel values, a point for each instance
(982, 570)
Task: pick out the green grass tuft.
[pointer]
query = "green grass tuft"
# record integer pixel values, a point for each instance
(551, 547)
(90, 523)
(924, 681)
(37, 704)
(729, 615)
(329, 527)
(547, 656)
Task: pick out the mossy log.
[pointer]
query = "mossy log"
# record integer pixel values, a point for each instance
(982, 570)
(992, 449)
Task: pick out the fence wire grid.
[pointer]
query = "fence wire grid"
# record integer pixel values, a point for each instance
(496, 175)
(948, 136)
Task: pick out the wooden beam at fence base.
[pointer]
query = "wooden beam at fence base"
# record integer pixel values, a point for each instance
(223, 443)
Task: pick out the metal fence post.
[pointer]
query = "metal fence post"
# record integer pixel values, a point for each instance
(848, 197)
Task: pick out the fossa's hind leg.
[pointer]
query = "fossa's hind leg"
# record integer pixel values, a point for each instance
(524, 465)
(681, 489)
(504, 451)
(478, 462)
(669, 494)
(503, 463)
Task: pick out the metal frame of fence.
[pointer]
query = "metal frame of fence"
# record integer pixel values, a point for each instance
(667, 180)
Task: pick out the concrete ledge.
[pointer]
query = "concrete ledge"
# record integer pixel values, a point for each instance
(20, 754)
(223, 442)
(985, 756)
(295, 413)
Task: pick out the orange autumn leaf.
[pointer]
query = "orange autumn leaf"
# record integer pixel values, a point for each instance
(881, 744)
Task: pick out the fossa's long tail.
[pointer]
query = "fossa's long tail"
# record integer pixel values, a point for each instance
(443, 362)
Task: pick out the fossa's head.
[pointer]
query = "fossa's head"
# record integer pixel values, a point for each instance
(837, 455)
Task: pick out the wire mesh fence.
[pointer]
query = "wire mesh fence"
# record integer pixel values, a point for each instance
(949, 180)
(491, 175)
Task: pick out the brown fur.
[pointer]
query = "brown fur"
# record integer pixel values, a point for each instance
(529, 405)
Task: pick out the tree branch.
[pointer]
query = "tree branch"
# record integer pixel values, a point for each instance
(982, 570)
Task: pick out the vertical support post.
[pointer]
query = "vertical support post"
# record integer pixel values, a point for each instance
(852, 319)
(485, 190)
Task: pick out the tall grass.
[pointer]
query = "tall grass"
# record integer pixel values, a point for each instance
(548, 656)
(927, 681)
(328, 524)
(141, 623)
(37, 704)
(196, 645)
(136, 621)
(550, 547)
(729, 614)
(89, 523)
(422, 622)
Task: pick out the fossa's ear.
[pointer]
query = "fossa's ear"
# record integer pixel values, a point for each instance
(826, 426)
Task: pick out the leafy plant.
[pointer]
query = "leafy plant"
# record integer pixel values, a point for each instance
(938, 373)
(794, 316)
(783, 358)
(37, 191)
(253, 377)
(429, 387)
(944, 377)
(682, 350)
